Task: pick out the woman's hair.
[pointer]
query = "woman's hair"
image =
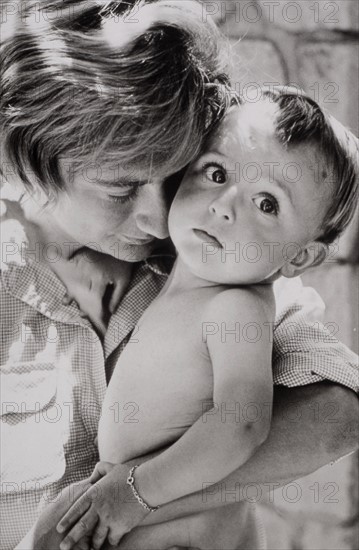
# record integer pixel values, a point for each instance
(115, 83)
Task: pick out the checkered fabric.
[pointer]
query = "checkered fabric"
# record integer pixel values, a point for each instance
(304, 351)
(54, 370)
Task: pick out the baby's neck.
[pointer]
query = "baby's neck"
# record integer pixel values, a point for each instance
(182, 279)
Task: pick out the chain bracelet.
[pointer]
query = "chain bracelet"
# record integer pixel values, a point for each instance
(131, 483)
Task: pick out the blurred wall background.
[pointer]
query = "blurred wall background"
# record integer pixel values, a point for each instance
(313, 44)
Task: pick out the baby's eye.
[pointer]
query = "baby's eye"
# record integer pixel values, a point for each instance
(215, 173)
(267, 204)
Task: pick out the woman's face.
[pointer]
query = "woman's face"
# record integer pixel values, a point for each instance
(116, 211)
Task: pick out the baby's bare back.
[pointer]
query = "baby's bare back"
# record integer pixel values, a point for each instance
(162, 382)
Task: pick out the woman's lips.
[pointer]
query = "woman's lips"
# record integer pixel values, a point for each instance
(207, 237)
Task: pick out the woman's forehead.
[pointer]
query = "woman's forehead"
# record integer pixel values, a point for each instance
(112, 173)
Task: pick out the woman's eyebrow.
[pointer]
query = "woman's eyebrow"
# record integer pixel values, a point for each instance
(122, 182)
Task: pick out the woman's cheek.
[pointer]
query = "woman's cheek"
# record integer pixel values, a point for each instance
(114, 212)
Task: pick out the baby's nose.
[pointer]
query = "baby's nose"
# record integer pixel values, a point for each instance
(221, 210)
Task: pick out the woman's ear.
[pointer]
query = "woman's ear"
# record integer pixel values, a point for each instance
(313, 254)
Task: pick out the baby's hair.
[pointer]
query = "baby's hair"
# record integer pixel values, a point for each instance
(119, 83)
(301, 120)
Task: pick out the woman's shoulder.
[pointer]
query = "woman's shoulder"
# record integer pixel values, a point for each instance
(16, 233)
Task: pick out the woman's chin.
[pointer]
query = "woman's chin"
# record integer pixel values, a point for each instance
(130, 252)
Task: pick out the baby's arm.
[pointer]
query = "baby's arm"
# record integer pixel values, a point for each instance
(216, 445)
(221, 441)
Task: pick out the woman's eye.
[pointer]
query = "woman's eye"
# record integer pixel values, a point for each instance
(215, 173)
(123, 199)
(268, 205)
(120, 199)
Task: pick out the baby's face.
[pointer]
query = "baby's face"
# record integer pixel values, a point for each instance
(247, 205)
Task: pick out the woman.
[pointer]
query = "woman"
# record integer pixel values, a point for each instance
(99, 110)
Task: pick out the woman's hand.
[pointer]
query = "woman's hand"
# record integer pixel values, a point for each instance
(107, 510)
(96, 281)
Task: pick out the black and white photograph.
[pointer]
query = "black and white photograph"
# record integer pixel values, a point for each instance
(179, 277)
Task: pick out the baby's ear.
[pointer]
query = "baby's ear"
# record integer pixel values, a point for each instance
(312, 255)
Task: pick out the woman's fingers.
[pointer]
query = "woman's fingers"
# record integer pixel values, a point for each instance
(75, 512)
(83, 544)
(99, 537)
(83, 527)
(161, 536)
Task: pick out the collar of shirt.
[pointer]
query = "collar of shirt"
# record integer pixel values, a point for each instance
(33, 282)
(147, 281)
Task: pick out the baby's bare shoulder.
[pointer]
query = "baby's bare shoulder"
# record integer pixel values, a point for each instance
(238, 302)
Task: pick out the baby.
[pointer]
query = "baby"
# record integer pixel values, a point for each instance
(275, 186)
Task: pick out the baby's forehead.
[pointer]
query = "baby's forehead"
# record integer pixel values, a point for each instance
(246, 123)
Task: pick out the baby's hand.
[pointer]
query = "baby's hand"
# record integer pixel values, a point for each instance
(108, 509)
(96, 282)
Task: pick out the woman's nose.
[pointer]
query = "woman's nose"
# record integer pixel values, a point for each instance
(152, 216)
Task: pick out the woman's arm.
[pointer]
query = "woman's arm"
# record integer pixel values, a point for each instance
(300, 441)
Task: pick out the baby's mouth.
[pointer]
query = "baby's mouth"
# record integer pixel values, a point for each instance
(207, 237)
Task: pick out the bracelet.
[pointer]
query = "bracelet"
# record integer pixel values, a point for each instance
(131, 483)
